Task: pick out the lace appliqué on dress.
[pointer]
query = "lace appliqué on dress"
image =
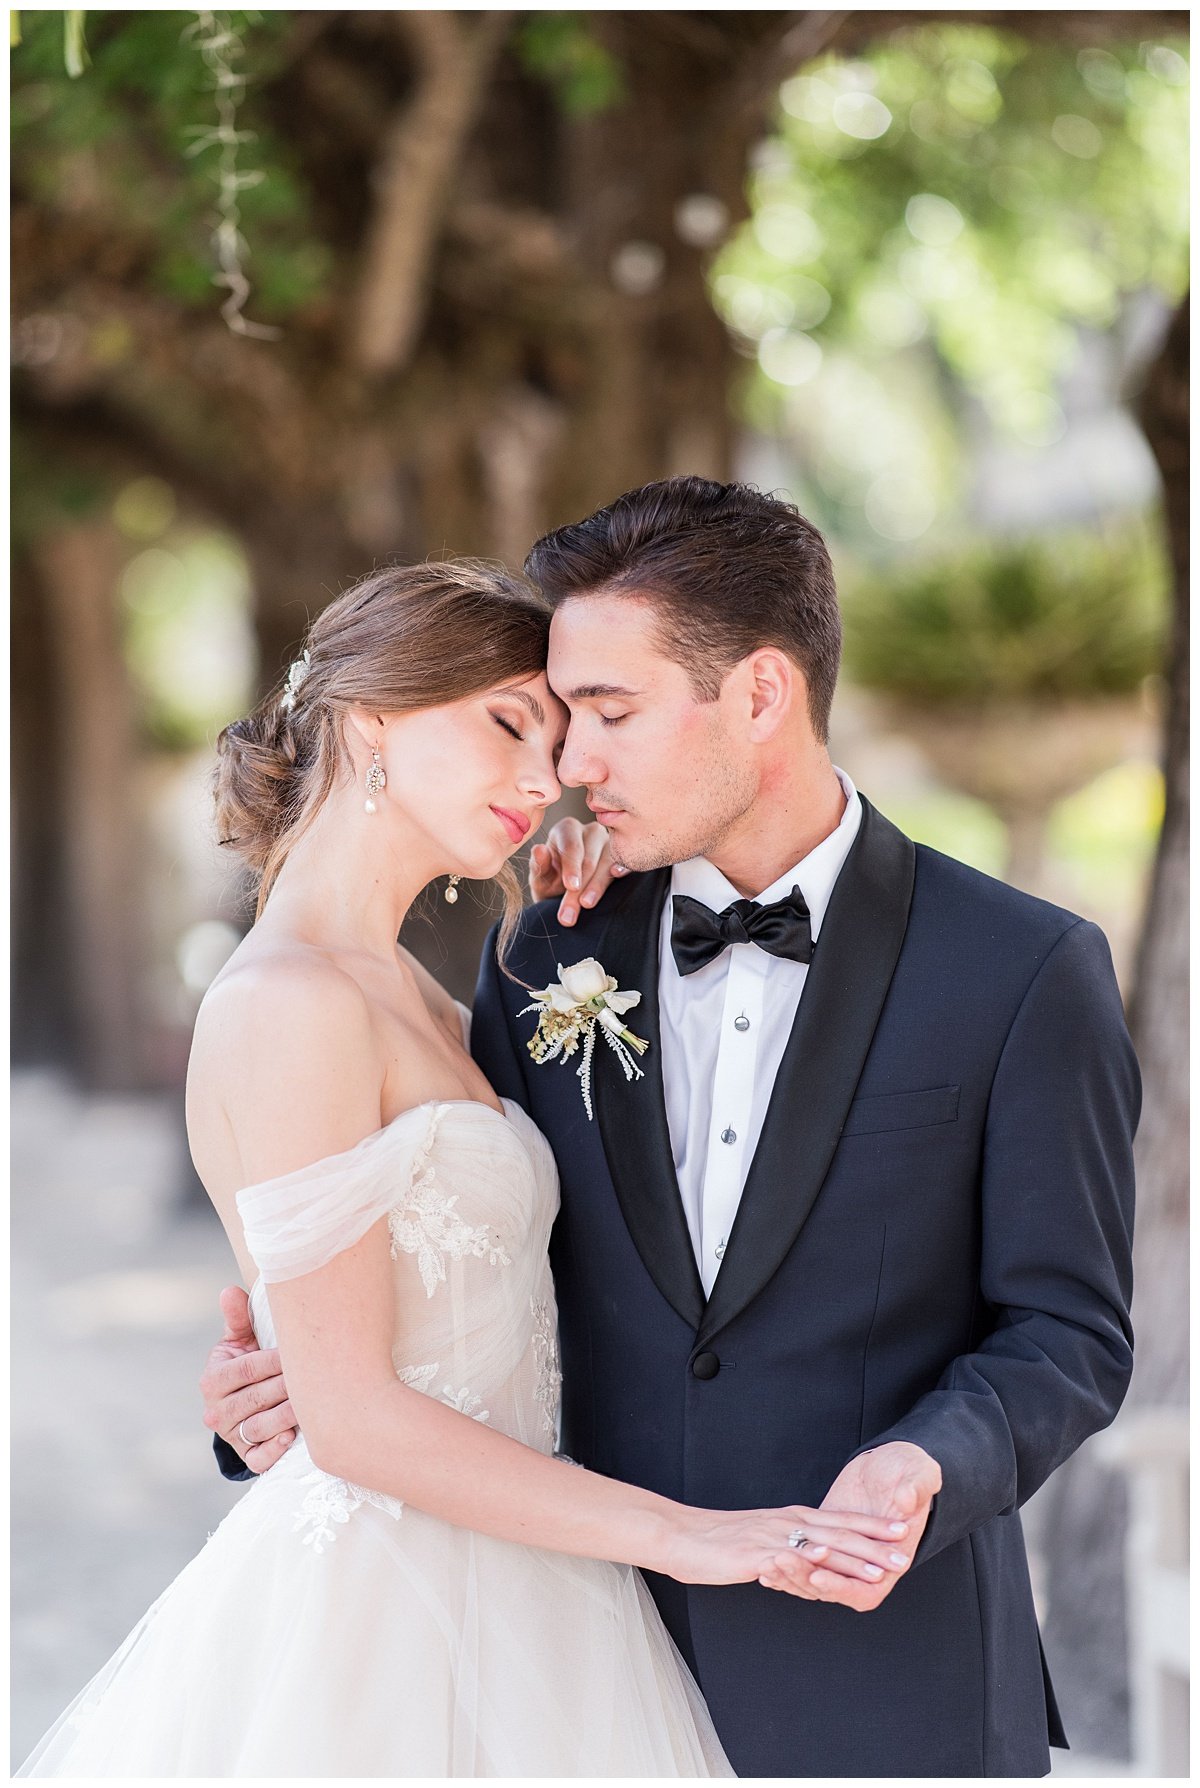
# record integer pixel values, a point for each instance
(463, 1400)
(331, 1501)
(419, 1377)
(426, 1224)
(545, 1355)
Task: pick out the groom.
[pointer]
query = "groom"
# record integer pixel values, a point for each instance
(861, 1234)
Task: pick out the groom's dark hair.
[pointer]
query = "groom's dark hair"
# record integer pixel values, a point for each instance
(728, 569)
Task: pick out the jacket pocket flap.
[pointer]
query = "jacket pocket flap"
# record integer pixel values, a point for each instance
(902, 1111)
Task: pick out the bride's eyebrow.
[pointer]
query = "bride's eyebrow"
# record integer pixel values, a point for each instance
(527, 701)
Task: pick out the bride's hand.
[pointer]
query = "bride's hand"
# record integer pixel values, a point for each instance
(743, 1545)
(575, 861)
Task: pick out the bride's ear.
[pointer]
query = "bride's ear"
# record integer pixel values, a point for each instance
(361, 731)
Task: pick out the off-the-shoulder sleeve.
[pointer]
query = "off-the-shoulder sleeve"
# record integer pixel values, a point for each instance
(300, 1221)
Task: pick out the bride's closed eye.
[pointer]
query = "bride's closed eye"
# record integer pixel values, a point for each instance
(507, 725)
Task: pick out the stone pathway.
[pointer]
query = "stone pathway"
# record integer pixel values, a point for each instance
(114, 1306)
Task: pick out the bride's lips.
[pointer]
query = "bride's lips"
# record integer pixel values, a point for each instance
(515, 824)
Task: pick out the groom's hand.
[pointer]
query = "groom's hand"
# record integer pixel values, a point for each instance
(899, 1481)
(242, 1383)
(576, 862)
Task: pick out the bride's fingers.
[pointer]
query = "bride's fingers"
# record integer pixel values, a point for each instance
(597, 865)
(845, 1542)
(545, 872)
(566, 840)
(827, 1522)
(798, 1566)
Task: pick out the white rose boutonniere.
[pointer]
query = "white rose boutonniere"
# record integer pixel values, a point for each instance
(570, 1009)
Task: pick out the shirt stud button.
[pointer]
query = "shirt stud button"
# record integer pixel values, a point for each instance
(728, 1135)
(742, 1023)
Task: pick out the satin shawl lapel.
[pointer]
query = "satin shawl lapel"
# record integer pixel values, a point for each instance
(633, 1117)
(848, 980)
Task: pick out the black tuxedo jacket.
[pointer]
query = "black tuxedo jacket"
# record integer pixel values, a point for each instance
(933, 1245)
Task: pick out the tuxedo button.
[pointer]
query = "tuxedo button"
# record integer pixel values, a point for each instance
(705, 1365)
(728, 1135)
(742, 1023)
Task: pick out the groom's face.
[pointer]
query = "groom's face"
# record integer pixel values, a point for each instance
(667, 772)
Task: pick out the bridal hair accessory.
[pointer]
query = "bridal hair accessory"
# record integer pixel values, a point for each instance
(451, 894)
(297, 671)
(570, 1009)
(376, 782)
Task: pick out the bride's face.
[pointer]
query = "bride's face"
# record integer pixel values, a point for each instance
(476, 776)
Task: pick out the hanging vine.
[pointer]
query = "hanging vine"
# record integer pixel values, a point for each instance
(221, 48)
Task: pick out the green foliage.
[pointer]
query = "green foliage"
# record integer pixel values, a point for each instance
(954, 823)
(112, 149)
(943, 216)
(1104, 836)
(1060, 615)
(185, 607)
(75, 50)
(561, 49)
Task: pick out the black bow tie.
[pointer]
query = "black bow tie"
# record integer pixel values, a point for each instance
(698, 934)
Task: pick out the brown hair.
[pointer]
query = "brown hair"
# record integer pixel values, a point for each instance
(409, 637)
(727, 568)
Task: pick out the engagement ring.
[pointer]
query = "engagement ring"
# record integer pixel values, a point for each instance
(798, 1539)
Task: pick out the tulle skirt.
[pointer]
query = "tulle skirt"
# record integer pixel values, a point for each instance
(320, 1635)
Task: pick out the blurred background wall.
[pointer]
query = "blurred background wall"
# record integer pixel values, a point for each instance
(298, 292)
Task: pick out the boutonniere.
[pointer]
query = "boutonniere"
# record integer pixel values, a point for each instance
(583, 1002)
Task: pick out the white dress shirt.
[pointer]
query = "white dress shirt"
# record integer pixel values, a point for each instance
(724, 1030)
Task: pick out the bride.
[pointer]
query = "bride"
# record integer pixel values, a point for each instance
(418, 1587)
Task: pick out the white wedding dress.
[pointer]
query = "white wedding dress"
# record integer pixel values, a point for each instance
(325, 1629)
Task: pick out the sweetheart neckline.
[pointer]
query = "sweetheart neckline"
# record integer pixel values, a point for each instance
(504, 1114)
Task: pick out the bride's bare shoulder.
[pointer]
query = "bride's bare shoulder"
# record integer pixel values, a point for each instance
(284, 990)
(285, 1060)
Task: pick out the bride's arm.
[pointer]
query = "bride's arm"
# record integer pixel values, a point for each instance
(296, 1091)
(335, 1332)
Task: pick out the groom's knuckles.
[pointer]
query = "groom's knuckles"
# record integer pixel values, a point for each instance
(225, 1378)
(270, 1393)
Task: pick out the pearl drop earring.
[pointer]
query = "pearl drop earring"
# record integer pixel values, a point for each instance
(376, 782)
(451, 894)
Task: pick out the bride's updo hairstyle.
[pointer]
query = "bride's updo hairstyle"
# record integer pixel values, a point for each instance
(409, 637)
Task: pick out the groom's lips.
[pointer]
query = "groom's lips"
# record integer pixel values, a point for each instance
(606, 814)
(515, 824)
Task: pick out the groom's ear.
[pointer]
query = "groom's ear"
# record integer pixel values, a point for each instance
(776, 685)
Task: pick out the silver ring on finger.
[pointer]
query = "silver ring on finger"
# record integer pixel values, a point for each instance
(797, 1539)
(246, 1440)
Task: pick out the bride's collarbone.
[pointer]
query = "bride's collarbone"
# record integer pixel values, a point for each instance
(424, 1065)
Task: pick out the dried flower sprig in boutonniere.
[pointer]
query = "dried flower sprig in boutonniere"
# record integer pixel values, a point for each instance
(570, 1009)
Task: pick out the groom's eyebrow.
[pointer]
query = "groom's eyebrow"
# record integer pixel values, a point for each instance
(591, 692)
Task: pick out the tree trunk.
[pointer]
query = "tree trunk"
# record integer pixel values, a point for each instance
(1159, 1009)
(1085, 1518)
(43, 1028)
(91, 761)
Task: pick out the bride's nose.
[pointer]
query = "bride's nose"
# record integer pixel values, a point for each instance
(541, 785)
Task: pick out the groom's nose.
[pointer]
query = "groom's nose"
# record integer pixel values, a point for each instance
(577, 767)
